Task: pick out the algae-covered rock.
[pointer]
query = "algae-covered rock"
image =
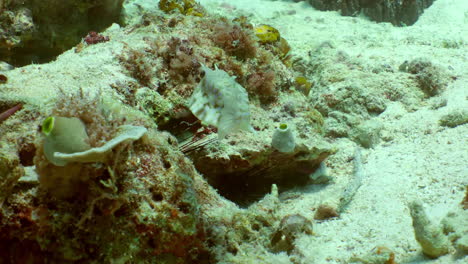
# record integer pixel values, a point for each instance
(432, 79)
(368, 133)
(10, 170)
(454, 118)
(154, 105)
(16, 26)
(144, 204)
(456, 228)
(430, 236)
(399, 13)
(344, 93)
(230, 228)
(378, 255)
(290, 228)
(140, 203)
(44, 29)
(243, 168)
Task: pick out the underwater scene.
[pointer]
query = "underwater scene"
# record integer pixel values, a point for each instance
(233, 132)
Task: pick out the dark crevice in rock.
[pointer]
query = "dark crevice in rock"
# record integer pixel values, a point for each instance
(39, 31)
